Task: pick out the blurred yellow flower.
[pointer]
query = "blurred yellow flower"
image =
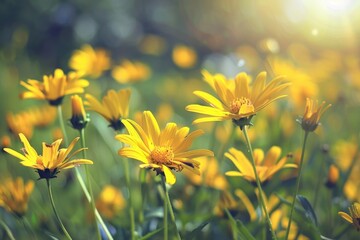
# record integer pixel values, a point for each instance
(110, 201)
(164, 150)
(184, 56)
(210, 174)
(52, 159)
(302, 85)
(344, 152)
(152, 45)
(352, 185)
(114, 106)
(19, 123)
(237, 100)
(266, 166)
(14, 195)
(354, 217)
(312, 115)
(79, 118)
(131, 71)
(54, 87)
(25, 121)
(226, 201)
(90, 62)
(333, 176)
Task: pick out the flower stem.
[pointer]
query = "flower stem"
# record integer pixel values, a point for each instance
(7, 230)
(80, 179)
(244, 130)
(54, 209)
(28, 226)
(169, 207)
(132, 214)
(88, 180)
(297, 184)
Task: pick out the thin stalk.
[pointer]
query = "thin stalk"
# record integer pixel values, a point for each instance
(169, 206)
(297, 184)
(28, 227)
(80, 179)
(220, 154)
(88, 180)
(317, 189)
(7, 230)
(55, 211)
(258, 184)
(132, 215)
(166, 234)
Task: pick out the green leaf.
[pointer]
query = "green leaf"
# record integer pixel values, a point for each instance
(198, 229)
(309, 211)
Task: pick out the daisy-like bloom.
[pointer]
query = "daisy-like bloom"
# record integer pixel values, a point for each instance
(41, 116)
(333, 176)
(354, 217)
(19, 123)
(131, 71)
(164, 150)
(88, 61)
(266, 166)
(184, 56)
(110, 202)
(52, 160)
(14, 195)
(238, 101)
(312, 115)
(79, 118)
(54, 87)
(114, 106)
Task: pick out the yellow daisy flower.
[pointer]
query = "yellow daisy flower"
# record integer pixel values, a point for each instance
(238, 101)
(14, 195)
(312, 115)
(266, 166)
(164, 150)
(52, 159)
(79, 117)
(54, 87)
(184, 56)
(114, 106)
(354, 217)
(88, 61)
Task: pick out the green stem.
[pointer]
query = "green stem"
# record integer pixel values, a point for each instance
(7, 230)
(88, 180)
(221, 151)
(80, 179)
(54, 209)
(297, 184)
(131, 208)
(317, 189)
(169, 206)
(244, 129)
(28, 227)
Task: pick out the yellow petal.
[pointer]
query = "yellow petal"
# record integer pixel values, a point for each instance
(169, 175)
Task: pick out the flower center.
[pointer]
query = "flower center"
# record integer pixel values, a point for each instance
(162, 155)
(241, 106)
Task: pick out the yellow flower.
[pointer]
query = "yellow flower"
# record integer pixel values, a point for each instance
(164, 150)
(25, 121)
(333, 176)
(114, 106)
(110, 201)
(354, 216)
(312, 115)
(131, 71)
(153, 45)
(54, 87)
(210, 174)
(52, 159)
(237, 100)
(14, 195)
(19, 123)
(90, 62)
(266, 166)
(79, 118)
(184, 56)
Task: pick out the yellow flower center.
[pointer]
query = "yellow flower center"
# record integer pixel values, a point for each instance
(162, 155)
(241, 106)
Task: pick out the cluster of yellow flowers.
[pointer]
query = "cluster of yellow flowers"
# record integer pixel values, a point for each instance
(166, 150)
